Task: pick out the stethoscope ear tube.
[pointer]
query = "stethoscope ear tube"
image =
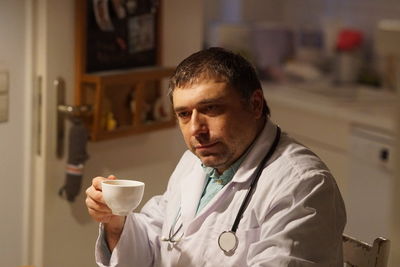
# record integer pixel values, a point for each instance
(228, 240)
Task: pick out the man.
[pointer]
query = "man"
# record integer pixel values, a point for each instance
(293, 215)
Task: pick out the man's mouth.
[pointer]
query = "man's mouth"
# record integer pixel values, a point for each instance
(205, 146)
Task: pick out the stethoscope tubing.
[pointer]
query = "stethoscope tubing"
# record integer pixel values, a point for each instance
(258, 172)
(244, 204)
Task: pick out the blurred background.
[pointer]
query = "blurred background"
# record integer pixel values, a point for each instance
(331, 75)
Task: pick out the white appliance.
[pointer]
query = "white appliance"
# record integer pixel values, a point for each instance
(370, 195)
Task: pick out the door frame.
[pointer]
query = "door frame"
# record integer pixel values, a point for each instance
(31, 131)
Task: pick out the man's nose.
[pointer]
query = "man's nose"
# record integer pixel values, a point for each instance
(198, 123)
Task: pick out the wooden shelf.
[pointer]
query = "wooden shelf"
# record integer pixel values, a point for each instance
(128, 102)
(117, 70)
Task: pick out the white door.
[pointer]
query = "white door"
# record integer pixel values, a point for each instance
(62, 233)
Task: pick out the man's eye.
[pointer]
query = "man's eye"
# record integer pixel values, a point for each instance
(211, 109)
(183, 114)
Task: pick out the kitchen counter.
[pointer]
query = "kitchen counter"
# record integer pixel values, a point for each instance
(354, 104)
(324, 118)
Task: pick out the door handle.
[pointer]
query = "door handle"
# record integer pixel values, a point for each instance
(65, 111)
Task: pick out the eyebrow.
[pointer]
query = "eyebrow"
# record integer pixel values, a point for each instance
(204, 102)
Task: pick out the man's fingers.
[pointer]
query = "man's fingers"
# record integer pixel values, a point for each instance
(96, 182)
(112, 177)
(96, 205)
(94, 194)
(103, 217)
(95, 201)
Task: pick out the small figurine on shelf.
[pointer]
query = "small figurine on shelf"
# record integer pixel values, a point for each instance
(147, 113)
(132, 103)
(111, 122)
(159, 110)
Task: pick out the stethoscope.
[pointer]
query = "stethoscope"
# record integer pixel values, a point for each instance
(172, 235)
(227, 240)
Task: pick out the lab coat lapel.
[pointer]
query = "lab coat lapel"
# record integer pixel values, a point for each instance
(191, 189)
(193, 183)
(257, 152)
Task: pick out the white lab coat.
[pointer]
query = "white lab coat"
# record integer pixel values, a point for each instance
(295, 218)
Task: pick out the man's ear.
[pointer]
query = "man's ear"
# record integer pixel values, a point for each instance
(257, 103)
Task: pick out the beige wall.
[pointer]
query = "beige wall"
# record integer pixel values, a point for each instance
(12, 137)
(152, 157)
(67, 232)
(395, 239)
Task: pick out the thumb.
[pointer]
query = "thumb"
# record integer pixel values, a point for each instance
(112, 177)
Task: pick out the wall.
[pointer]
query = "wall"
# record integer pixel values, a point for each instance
(152, 157)
(149, 157)
(395, 246)
(363, 15)
(317, 15)
(69, 233)
(307, 14)
(243, 10)
(233, 12)
(12, 133)
(358, 13)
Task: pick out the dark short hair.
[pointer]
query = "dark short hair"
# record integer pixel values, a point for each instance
(221, 64)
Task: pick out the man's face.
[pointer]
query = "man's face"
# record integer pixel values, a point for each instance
(216, 123)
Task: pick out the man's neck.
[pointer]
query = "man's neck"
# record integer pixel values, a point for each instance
(260, 127)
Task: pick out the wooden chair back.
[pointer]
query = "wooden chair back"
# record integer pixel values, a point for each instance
(360, 254)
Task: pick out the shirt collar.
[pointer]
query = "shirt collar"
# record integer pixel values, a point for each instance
(256, 153)
(250, 158)
(227, 175)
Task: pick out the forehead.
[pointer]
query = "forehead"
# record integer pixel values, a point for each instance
(202, 91)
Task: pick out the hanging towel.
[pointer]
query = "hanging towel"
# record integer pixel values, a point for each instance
(77, 156)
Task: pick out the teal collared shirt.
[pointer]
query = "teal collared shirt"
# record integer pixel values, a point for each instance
(216, 182)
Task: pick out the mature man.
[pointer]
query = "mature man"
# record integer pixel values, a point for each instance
(244, 194)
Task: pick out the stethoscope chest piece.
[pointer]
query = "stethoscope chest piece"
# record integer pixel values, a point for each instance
(228, 242)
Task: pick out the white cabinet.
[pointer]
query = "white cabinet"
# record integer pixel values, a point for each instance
(322, 119)
(371, 188)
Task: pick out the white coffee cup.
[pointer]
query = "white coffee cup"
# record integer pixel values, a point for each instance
(122, 196)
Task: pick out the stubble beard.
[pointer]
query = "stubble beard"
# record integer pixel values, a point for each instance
(216, 160)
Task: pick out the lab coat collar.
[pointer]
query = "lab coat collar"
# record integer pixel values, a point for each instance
(191, 189)
(193, 183)
(257, 152)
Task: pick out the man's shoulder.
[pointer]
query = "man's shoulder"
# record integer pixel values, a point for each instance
(296, 170)
(297, 155)
(297, 164)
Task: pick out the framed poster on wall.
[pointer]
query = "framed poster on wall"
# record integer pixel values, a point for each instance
(121, 34)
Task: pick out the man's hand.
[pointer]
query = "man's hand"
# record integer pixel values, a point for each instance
(98, 209)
